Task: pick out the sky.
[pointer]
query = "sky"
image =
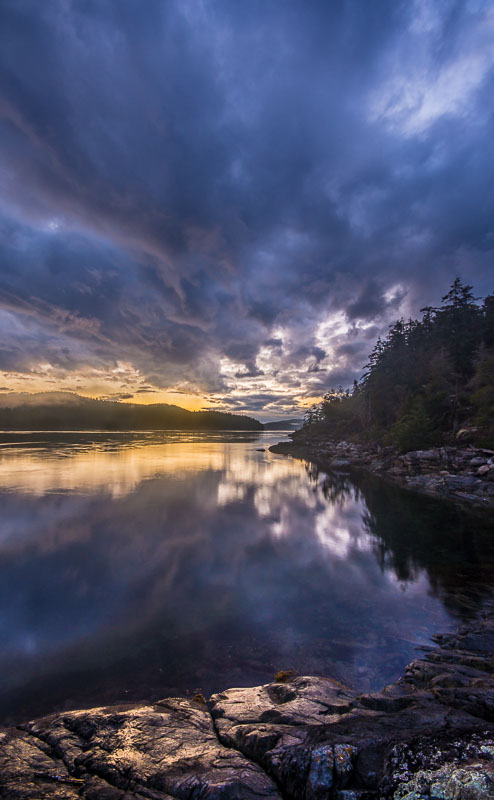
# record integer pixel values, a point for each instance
(222, 204)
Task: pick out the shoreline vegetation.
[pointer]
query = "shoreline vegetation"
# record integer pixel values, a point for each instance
(429, 383)
(422, 415)
(429, 734)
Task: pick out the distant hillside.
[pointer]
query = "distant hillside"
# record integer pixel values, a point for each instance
(284, 425)
(68, 411)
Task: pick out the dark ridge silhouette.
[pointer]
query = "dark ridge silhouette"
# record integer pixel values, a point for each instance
(283, 425)
(68, 411)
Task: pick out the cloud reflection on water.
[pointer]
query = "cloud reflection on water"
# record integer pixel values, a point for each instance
(150, 568)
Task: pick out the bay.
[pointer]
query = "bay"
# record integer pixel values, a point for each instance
(142, 565)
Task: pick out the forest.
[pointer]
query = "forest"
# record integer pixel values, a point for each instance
(66, 411)
(428, 382)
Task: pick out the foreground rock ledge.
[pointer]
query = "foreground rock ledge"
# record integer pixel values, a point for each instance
(429, 735)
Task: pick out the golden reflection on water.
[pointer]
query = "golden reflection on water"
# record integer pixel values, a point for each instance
(117, 471)
(274, 486)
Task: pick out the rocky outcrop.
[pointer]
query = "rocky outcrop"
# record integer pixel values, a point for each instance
(463, 474)
(429, 735)
(167, 750)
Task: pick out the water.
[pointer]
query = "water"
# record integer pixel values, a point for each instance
(135, 566)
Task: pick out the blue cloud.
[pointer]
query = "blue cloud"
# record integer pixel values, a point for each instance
(185, 182)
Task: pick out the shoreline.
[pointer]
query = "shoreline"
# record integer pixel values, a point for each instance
(463, 474)
(429, 734)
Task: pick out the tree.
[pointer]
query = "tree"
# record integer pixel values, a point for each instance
(422, 380)
(457, 324)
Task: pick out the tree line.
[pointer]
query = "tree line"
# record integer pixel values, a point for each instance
(86, 414)
(424, 382)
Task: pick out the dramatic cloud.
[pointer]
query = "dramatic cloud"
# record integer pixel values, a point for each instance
(229, 201)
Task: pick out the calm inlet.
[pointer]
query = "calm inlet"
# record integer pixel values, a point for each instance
(135, 566)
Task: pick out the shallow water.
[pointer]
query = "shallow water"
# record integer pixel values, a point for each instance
(134, 566)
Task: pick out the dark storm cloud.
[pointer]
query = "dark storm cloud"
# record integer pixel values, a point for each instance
(189, 180)
(251, 371)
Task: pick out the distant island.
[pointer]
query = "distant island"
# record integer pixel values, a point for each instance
(58, 411)
(284, 425)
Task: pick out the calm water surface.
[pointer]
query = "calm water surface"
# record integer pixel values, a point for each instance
(134, 566)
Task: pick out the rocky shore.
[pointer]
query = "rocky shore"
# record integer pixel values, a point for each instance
(463, 474)
(429, 735)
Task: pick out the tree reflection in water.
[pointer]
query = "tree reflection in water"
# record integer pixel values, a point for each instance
(140, 567)
(412, 534)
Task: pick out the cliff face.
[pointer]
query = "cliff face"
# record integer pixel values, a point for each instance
(430, 734)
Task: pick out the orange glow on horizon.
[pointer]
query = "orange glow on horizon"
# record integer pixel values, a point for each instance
(125, 384)
(191, 402)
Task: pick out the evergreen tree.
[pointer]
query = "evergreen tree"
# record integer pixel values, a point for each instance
(423, 380)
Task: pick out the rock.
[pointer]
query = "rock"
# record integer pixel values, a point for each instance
(29, 770)
(316, 731)
(445, 472)
(424, 455)
(320, 777)
(430, 732)
(166, 750)
(304, 700)
(344, 758)
(447, 778)
(475, 782)
(461, 482)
